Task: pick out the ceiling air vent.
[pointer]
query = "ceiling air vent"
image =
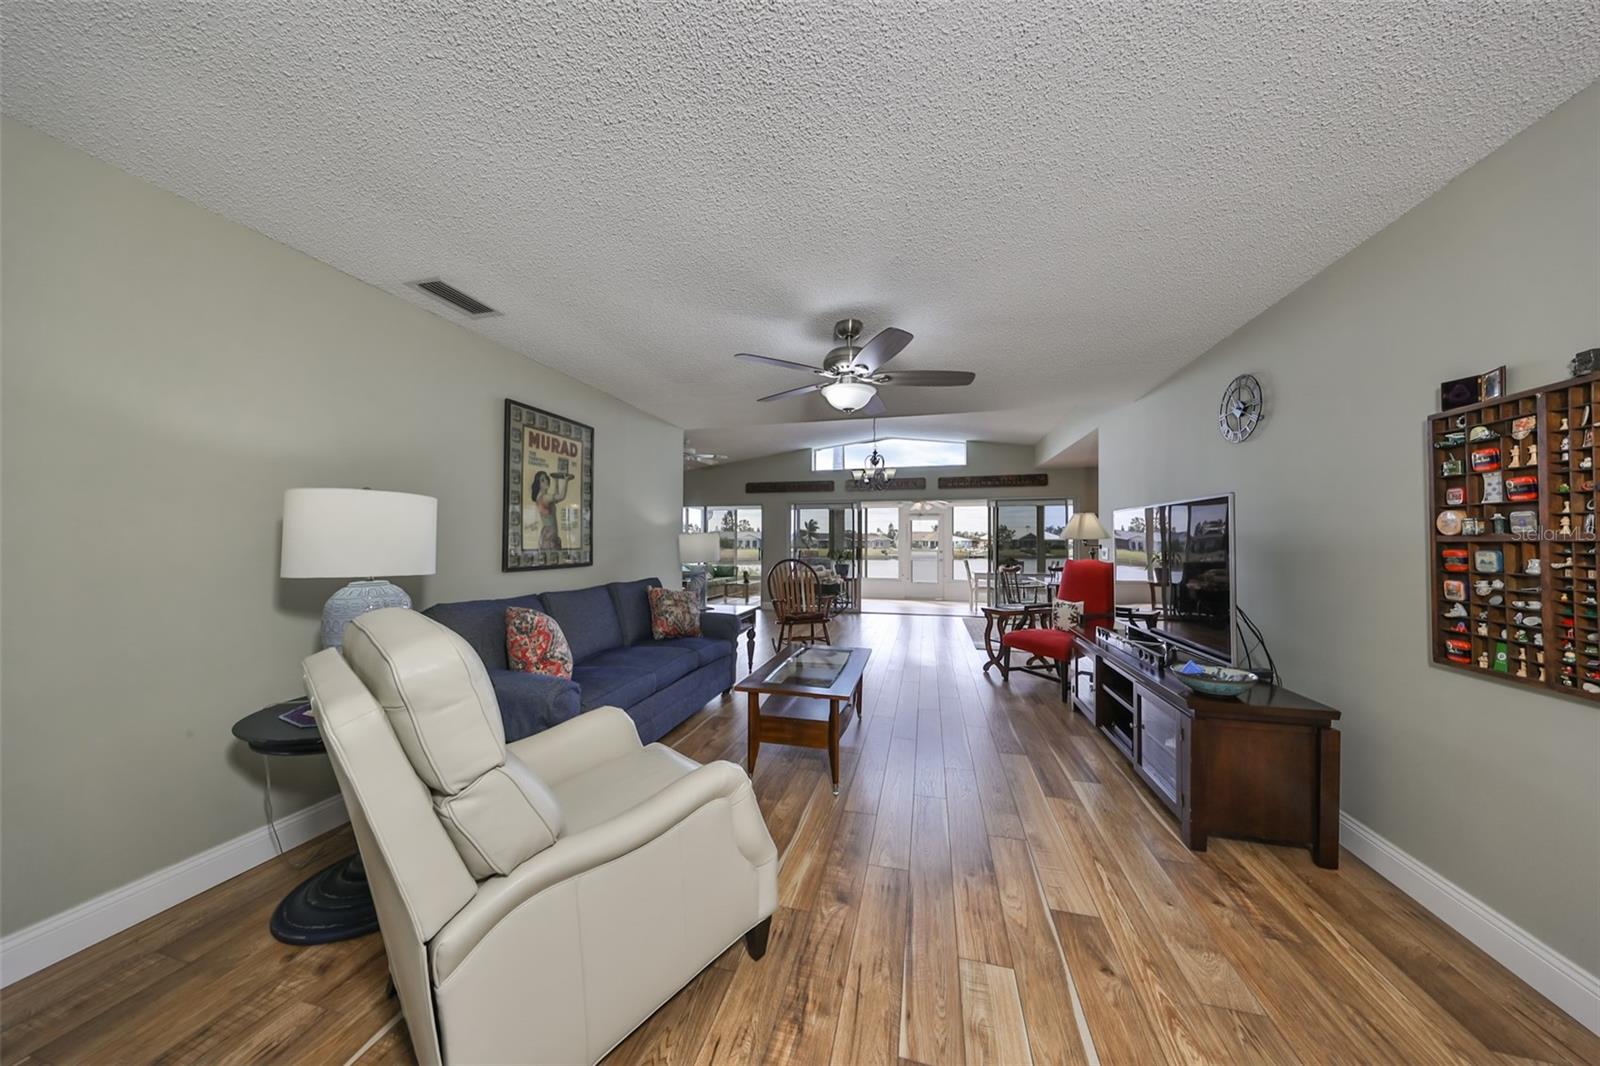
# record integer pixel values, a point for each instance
(456, 298)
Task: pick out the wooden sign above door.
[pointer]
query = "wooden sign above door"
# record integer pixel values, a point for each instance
(754, 487)
(893, 483)
(996, 481)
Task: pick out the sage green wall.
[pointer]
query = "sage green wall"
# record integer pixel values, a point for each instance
(1493, 786)
(724, 485)
(167, 374)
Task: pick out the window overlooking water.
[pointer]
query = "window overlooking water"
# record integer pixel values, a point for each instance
(896, 452)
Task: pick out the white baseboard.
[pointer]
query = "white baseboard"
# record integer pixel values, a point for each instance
(39, 945)
(1556, 977)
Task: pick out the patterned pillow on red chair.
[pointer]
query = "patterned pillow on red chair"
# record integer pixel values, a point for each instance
(674, 613)
(535, 643)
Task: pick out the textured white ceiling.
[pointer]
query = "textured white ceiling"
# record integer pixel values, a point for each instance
(1072, 200)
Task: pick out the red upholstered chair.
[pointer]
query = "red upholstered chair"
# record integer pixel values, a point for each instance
(1089, 581)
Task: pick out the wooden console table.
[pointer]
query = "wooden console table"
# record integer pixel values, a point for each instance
(1262, 767)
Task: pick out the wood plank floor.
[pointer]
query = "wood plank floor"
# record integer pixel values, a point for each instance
(990, 886)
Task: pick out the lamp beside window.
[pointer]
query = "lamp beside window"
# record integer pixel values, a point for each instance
(697, 551)
(1082, 527)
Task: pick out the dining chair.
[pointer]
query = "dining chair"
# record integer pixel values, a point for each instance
(980, 581)
(1013, 608)
(1012, 592)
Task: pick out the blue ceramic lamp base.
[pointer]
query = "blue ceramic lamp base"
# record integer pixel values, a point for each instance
(355, 600)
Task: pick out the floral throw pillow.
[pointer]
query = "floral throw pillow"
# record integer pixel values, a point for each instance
(1068, 613)
(535, 643)
(674, 613)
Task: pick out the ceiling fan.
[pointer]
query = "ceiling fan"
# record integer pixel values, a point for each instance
(855, 373)
(702, 458)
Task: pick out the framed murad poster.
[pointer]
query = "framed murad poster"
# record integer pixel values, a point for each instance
(549, 491)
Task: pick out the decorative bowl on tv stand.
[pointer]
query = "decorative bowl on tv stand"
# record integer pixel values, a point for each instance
(1224, 681)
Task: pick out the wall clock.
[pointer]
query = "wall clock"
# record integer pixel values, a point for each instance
(1241, 409)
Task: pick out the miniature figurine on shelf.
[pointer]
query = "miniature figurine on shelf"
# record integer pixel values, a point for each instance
(1515, 461)
(1483, 660)
(1522, 668)
(1566, 526)
(1562, 428)
(1497, 521)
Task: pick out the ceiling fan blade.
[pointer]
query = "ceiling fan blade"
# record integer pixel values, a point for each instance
(787, 363)
(793, 392)
(925, 377)
(874, 408)
(882, 348)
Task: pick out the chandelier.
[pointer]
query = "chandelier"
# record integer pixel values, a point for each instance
(875, 475)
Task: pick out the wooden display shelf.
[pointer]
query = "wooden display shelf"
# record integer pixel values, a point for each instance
(1563, 437)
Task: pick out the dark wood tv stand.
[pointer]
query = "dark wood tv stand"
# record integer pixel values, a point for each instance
(1262, 767)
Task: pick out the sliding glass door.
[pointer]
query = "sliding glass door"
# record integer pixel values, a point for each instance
(737, 572)
(1030, 534)
(828, 537)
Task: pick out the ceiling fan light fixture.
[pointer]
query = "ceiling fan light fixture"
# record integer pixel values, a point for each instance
(848, 395)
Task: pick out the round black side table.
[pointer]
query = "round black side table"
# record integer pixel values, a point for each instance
(334, 903)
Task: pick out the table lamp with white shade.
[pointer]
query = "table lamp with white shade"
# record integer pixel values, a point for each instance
(359, 533)
(1082, 526)
(699, 550)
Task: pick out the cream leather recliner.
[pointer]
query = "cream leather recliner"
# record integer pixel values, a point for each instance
(537, 900)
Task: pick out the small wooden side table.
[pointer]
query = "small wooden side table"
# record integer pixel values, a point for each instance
(746, 614)
(997, 621)
(810, 691)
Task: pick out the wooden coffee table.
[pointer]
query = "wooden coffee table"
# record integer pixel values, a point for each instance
(810, 691)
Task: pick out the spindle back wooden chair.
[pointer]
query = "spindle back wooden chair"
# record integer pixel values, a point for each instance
(793, 587)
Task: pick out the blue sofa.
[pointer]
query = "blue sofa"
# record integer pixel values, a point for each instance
(616, 660)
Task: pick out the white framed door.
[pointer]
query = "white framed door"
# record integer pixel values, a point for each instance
(969, 552)
(885, 573)
(919, 550)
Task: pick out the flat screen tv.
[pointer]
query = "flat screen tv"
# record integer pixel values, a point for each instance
(1175, 572)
